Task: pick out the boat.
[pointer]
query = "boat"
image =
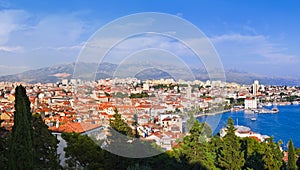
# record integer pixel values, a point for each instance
(253, 119)
(275, 110)
(256, 111)
(264, 110)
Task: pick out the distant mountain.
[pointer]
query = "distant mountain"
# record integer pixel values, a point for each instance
(248, 78)
(106, 70)
(43, 75)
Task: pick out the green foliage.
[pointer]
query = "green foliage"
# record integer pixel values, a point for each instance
(138, 167)
(195, 148)
(298, 162)
(253, 153)
(230, 129)
(32, 146)
(190, 121)
(3, 148)
(231, 156)
(21, 151)
(196, 151)
(118, 124)
(291, 156)
(164, 86)
(168, 160)
(107, 94)
(119, 95)
(45, 146)
(81, 151)
(272, 157)
(139, 95)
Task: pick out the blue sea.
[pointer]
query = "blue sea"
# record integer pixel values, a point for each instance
(284, 125)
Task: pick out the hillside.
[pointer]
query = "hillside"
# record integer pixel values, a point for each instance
(106, 70)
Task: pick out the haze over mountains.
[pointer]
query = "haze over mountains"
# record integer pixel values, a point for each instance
(107, 70)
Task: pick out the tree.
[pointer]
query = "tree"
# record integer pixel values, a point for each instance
(82, 152)
(291, 156)
(231, 156)
(118, 124)
(253, 153)
(298, 162)
(21, 151)
(272, 157)
(3, 147)
(191, 120)
(195, 147)
(138, 167)
(45, 146)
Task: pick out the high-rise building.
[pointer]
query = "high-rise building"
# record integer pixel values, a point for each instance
(255, 87)
(189, 92)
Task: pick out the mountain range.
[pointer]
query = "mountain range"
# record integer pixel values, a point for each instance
(106, 70)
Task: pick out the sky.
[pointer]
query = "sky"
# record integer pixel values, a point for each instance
(255, 36)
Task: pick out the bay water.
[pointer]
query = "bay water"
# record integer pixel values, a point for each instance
(284, 125)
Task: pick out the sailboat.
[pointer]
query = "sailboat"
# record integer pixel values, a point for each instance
(253, 118)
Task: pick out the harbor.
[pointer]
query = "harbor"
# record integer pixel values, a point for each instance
(283, 126)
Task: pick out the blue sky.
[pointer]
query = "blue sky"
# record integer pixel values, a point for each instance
(255, 36)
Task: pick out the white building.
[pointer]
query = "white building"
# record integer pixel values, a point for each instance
(250, 103)
(145, 87)
(243, 132)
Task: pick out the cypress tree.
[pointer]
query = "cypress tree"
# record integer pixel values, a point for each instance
(3, 148)
(21, 151)
(291, 156)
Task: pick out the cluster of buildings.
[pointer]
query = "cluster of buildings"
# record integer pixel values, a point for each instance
(156, 108)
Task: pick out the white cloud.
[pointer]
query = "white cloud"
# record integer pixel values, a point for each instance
(252, 48)
(143, 42)
(40, 41)
(61, 48)
(10, 49)
(11, 20)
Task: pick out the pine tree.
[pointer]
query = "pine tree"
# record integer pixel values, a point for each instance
(231, 156)
(82, 152)
(253, 152)
(291, 156)
(119, 125)
(272, 157)
(195, 147)
(21, 151)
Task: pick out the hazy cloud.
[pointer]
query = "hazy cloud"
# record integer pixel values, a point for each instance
(11, 20)
(40, 41)
(252, 48)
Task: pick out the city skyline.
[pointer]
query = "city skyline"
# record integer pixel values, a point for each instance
(257, 37)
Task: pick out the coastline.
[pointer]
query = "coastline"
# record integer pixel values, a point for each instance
(282, 126)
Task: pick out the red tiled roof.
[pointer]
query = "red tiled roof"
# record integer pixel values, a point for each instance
(74, 127)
